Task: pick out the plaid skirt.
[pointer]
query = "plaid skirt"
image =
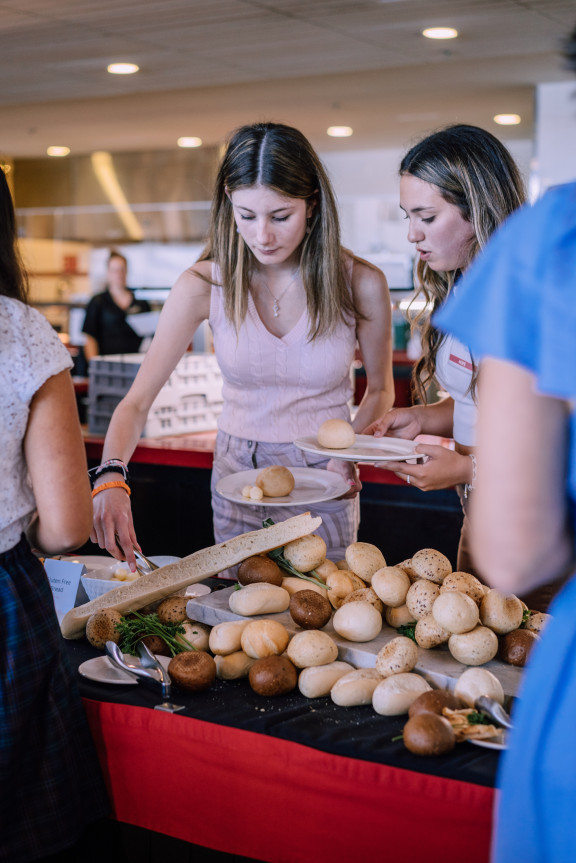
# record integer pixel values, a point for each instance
(51, 786)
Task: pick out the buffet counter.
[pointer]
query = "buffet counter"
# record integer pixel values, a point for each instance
(285, 779)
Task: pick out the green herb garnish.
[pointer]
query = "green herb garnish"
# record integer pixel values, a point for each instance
(478, 719)
(138, 626)
(408, 629)
(526, 615)
(277, 555)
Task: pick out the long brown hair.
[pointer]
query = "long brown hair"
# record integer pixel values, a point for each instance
(13, 280)
(282, 159)
(475, 172)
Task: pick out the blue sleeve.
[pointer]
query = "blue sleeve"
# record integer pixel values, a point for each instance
(518, 300)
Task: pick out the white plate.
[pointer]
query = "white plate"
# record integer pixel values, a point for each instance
(90, 561)
(368, 449)
(101, 670)
(311, 486)
(491, 743)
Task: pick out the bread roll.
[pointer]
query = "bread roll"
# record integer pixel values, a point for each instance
(429, 734)
(196, 567)
(226, 637)
(263, 638)
(355, 688)
(391, 584)
(173, 609)
(259, 598)
(305, 553)
(475, 647)
(310, 610)
(316, 681)
(324, 568)
(365, 594)
(102, 626)
(357, 621)
(394, 695)
(478, 681)
(259, 567)
(465, 583)
(293, 584)
(430, 634)
(336, 434)
(501, 613)
(192, 670)
(397, 657)
(275, 481)
(455, 612)
(312, 647)
(233, 666)
(396, 617)
(340, 584)
(364, 559)
(420, 597)
(196, 634)
(431, 564)
(272, 676)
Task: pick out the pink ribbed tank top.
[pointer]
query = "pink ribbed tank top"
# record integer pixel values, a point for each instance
(278, 389)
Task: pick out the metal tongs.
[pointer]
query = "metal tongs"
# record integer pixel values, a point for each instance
(144, 566)
(149, 672)
(494, 710)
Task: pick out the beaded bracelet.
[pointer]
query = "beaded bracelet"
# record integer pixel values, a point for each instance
(112, 465)
(116, 484)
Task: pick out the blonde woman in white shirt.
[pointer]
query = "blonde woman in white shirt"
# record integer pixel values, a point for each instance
(288, 307)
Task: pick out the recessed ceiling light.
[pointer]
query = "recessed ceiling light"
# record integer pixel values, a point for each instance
(189, 142)
(339, 131)
(123, 68)
(57, 151)
(507, 119)
(440, 33)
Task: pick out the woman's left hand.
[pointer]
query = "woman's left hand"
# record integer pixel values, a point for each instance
(348, 470)
(442, 468)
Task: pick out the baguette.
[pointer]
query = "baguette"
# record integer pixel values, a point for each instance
(195, 567)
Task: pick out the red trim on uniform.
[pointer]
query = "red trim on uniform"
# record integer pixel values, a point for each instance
(460, 361)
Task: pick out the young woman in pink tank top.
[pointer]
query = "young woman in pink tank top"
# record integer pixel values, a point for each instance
(288, 307)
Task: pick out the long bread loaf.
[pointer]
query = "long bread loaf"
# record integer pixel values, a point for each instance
(195, 567)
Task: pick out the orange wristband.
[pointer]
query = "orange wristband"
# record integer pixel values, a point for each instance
(119, 483)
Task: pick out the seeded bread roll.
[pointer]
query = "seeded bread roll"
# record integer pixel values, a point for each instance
(397, 657)
(420, 597)
(259, 598)
(102, 627)
(431, 564)
(475, 647)
(364, 559)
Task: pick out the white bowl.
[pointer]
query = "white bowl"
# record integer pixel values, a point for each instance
(100, 581)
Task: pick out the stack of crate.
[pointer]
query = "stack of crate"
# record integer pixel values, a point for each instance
(190, 400)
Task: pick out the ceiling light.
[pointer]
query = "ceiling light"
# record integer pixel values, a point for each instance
(57, 151)
(440, 33)
(339, 131)
(123, 68)
(507, 119)
(189, 142)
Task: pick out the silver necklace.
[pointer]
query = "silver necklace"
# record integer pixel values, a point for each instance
(276, 306)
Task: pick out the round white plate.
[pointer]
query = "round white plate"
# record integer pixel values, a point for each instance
(311, 486)
(491, 743)
(367, 449)
(101, 670)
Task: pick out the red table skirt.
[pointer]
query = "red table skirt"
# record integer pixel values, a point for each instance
(257, 796)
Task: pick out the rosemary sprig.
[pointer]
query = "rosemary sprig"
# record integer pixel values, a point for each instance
(138, 626)
(407, 629)
(277, 555)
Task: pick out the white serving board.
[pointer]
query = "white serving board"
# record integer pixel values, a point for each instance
(438, 666)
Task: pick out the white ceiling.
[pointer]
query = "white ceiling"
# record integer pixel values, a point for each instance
(208, 66)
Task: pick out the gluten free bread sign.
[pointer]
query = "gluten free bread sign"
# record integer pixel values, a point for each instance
(202, 564)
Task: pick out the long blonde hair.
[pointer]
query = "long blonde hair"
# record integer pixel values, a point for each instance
(283, 160)
(474, 171)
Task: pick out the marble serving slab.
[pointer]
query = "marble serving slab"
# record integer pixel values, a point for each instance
(438, 666)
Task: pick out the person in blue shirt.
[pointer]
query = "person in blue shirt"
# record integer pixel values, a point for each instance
(517, 310)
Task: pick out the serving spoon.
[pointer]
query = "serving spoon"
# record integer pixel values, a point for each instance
(494, 710)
